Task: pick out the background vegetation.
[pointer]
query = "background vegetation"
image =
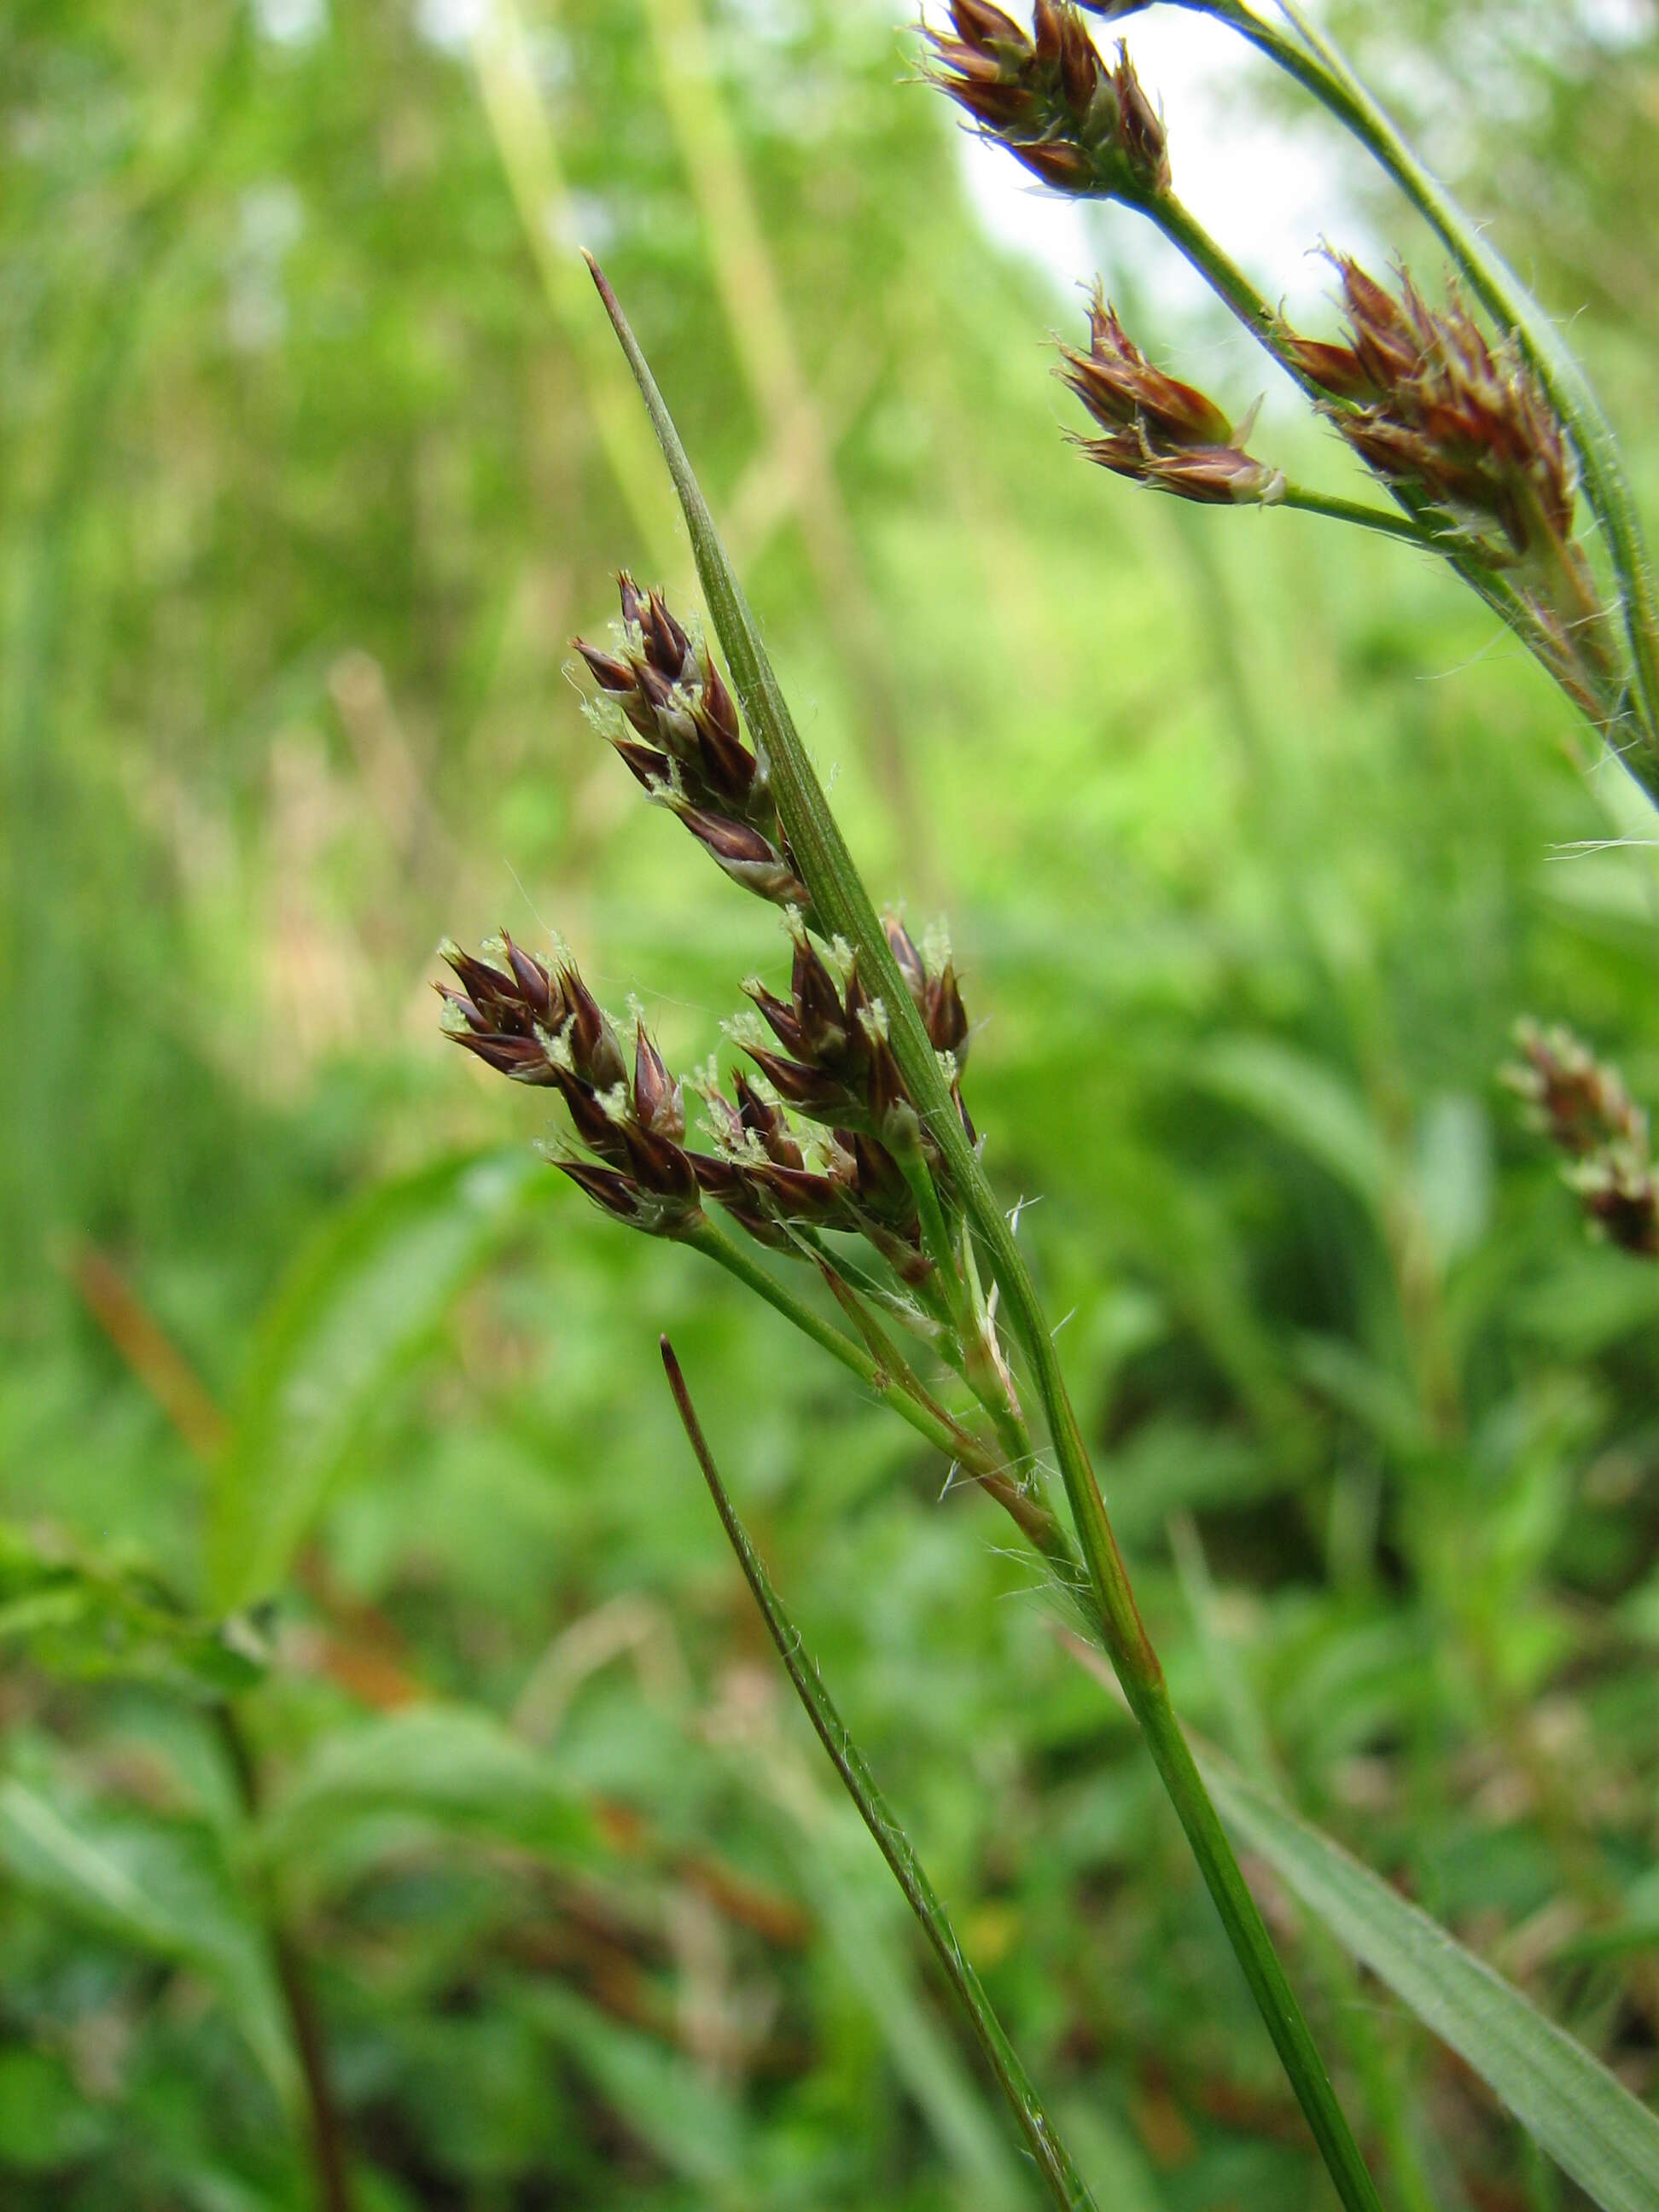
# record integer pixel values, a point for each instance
(1254, 842)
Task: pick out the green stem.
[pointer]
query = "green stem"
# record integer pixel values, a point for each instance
(327, 2130)
(891, 1380)
(1065, 2184)
(1601, 701)
(943, 1434)
(844, 904)
(1373, 2062)
(978, 1367)
(1320, 70)
(1357, 512)
(943, 1343)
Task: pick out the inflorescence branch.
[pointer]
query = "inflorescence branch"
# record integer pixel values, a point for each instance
(1463, 431)
(819, 1135)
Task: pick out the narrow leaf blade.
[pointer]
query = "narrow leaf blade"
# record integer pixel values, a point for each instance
(1065, 2183)
(1588, 2121)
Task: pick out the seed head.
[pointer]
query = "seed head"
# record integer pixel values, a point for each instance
(1050, 99)
(1437, 409)
(1157, 430)
(1577, 1100)
(665, 707)
(1122, 391)
(1214, 476)
(544, 1026)
(1581, 1105)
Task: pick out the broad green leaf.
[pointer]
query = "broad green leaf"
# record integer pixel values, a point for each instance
(75, 1614)
(359, 1305)
(1304, 1102)
(1588, 2121)
(446, 1765)
(160, 1887)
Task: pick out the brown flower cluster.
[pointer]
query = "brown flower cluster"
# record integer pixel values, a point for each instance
(1047, 95)
(1581, 1105)
(1157, 430)
(668, 712)
(1438, 411)
(821, 1053)
(543, 1026)
(540, 1024)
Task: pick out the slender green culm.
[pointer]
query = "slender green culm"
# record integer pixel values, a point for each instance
(1052, 2160)
(843, 906)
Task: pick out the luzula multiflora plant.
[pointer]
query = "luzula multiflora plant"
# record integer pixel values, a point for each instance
(849, 1119)
(819, 1132)
(849, 1122)
(1478, 439)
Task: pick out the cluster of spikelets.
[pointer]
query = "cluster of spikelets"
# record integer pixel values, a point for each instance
(1049, 98)
(1434, 408)
(815, 1133)
(1581, 1106)
(1456, 427)
(1157, 430)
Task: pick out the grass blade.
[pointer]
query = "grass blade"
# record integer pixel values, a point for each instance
(1065, 2183)
(1588, 2122)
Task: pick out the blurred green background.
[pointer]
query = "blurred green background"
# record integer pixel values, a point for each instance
(1254, 842)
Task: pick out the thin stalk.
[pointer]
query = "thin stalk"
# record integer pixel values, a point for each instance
(327, 2132)
(945, 1434)
(940, 1337)
(844, 904)
(1364, 517)
(1065, 2183)
(891, 1379)
(1373, 2062)
(979, 1369)
(936, 1237)
(1320, 69)
(1002, 1483)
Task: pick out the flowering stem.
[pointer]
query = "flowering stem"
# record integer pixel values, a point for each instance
(891, 1380)
(1601, 697)
(1318, 67)
(844, 904)
(1357, 512)
(893, 1384)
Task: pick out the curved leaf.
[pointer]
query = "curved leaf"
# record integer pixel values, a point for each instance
(78, 1614)
(360, 1304)
(1588, 2122)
